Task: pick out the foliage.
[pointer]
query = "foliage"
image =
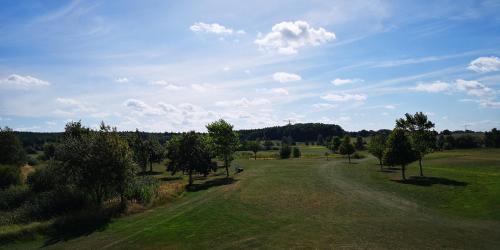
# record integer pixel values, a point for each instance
(399, 151)
(49, 150)
(346, 148)
(224, 140)
(11, 149)
(13, 197)
(97, 162)
(360, 144)
(189, 153)
(300, 132)
(268, 144)
(296, 152)
(254, 146)
(492, 138)
(285, 151)
(376, 147)
(46, 179)
(9, 175)
(142, 189)
(334, 144)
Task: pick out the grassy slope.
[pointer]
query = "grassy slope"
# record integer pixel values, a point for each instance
(315, 203)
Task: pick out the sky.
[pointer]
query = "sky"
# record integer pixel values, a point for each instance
(178, 65)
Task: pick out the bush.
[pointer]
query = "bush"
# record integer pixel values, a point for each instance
(55, 202)
(13, 197)
(285, 151)
(357, 156)
(467, 141)
(9, 175)
(45, 179)
(142, 189)
(32, 161)
(296, 152)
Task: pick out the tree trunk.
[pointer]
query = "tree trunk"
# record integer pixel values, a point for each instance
(349, 157)
(381, 165)
(420, 164)
(123, 203)
(255, 155)
(226, 165)
(151, 166)
(190, 177)
(403, 169)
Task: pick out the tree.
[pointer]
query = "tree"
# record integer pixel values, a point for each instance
(142, 151)
(335, 144)
(423, 139)
(319, 140)
(225, 141)
(49, 150)
(268, 144)
(99, 163)
(11, 148)
(296, 152)
(285, 151)
(190, 154)
(359, 143)
(156, 152)
(346, 148)
(399, 150)
(255, 147)
(492, 138)
(376, 147)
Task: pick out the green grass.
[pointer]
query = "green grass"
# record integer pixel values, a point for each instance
(314, 203)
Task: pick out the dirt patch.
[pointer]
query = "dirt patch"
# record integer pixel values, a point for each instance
(25, 171)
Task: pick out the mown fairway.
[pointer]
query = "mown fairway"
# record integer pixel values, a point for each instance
(314, 203)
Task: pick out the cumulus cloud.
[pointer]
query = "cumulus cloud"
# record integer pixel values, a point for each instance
(474, 88)
(485, 64)
(141, 108)
(287, 37)
(344, 97)
(339, 81)
(121, 80)
(71, 107)
(243, 102)
(213, 28)
(286, 77)
(434, 87)
(22, 82)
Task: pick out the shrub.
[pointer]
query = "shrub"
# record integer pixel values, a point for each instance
(9, 175)
(358, 156)
(51, 203)
(142, 189)
(285, 151)
(45, 179)
(296, 152)
(13, 197)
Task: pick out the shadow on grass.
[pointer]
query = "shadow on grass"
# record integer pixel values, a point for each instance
(208, 184)
(79, 224)
(171, 178)
(429, 181)
(149, 173)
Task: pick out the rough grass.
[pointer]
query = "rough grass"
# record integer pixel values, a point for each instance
(314, 203)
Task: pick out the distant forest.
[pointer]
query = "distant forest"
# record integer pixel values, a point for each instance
(301, 132)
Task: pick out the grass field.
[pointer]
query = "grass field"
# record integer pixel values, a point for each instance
(314, 203)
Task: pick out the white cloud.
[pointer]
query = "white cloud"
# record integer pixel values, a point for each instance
(202, 87)
(474, 88)
(344, 97)
(214, 28)
(22, 82)
(243, 102)
(121, 80)
(141, 108)
(485, 64)
(389, 107)
(167, 85)
(287, 37)
(286, 77)
(434, 87)
(339, 81)
(489, 104)
(323, 106)
(281, 91)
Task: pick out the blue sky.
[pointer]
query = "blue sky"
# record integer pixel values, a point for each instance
(177, 65)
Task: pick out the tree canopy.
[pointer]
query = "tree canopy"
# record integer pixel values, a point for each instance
(225, 141)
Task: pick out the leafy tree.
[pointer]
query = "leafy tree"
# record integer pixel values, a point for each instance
(422, 138)
(399, 150)
(225, 141)
(9, 175)
(190, 154)
(75, 129)
(296, 152)
(285, 151)
(11, 149)
(142, 151)
(156, 152)
(320, 140)
(376, 147)
(255, 147)
(49, 150)
(334, 144)
(492, 138)
(268, 144)
(359, 143)
(346, 148)
(99, 163)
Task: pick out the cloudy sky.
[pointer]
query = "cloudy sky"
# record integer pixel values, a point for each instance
(177, 65)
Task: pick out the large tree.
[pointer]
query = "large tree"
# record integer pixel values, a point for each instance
(255, 147)
(11, 149)
(99, 163)
(376, 147)
(225, 141)
(346, 147)
(399, 150)
(419, 127)
(190, 154)
(334, 144)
